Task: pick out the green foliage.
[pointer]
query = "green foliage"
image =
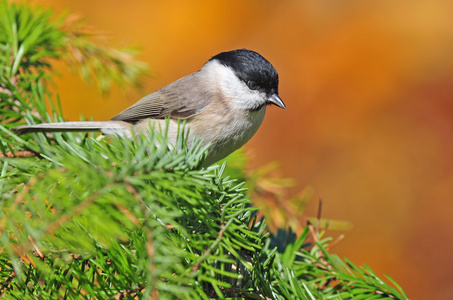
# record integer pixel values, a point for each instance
(89, 217)
(30, 38)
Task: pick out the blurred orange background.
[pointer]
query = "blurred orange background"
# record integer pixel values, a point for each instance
(369, 121)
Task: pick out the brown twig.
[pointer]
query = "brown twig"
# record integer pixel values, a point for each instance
(18, 154)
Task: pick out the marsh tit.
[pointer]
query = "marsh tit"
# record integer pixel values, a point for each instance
(223, 104)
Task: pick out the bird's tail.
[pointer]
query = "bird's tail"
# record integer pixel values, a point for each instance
(107, 127)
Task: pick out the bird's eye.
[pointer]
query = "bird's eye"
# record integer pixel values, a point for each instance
(252, 85)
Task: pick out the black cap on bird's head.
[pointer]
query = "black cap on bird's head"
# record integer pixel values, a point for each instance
(254, 70)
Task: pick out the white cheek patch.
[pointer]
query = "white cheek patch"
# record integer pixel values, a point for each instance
(233, 88)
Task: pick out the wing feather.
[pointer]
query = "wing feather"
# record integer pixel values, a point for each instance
(181, 99)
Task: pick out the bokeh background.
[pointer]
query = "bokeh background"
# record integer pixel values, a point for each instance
(369, 123)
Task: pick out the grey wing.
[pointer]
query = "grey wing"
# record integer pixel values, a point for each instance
(150, 106)
(181, 99)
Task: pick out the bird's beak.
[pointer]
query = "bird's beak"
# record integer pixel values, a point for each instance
(275, 99)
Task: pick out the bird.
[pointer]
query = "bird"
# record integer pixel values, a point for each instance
(223, 104)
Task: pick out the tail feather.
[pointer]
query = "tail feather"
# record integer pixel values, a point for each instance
(104, 126)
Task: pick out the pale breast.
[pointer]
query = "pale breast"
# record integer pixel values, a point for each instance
(226, 133)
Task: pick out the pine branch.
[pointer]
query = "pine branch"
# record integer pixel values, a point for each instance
(30, 38)
(87, 52)
(90, 217)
